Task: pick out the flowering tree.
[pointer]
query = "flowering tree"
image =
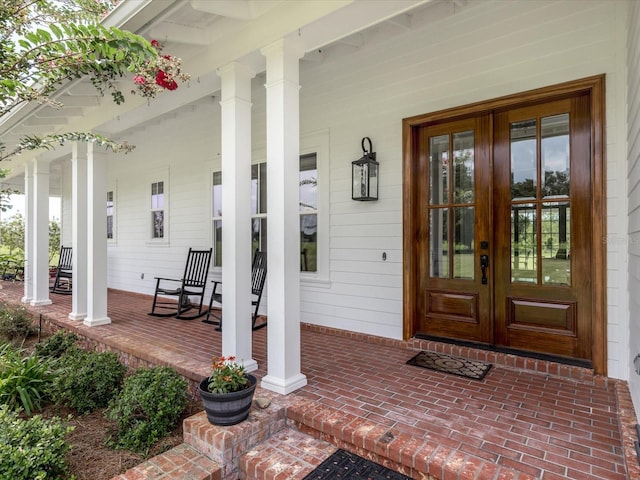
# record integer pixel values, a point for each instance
(45, 43)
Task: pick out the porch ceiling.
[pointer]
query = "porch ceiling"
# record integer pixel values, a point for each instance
(207, 34)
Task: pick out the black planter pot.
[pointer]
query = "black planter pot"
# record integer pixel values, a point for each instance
(227, 408)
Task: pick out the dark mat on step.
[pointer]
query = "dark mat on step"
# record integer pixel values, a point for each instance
(442, 362)
(343, 465)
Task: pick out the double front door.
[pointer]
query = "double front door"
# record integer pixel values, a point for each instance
(502, 228)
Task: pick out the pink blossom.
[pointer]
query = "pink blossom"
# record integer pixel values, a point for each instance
(139, 80)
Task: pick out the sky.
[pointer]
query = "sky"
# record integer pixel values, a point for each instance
(18, 207)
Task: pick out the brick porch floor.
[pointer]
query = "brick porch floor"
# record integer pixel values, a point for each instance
(526, 419)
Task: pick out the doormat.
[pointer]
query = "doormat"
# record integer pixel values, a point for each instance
(442, 362)
(343, 465)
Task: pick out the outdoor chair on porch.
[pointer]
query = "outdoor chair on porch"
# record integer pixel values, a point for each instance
(258, 277)
(62, 282)
(192, 284)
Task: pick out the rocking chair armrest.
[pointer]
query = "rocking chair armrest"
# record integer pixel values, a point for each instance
(215, 285)
(168, 279)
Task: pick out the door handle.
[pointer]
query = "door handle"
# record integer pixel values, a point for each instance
(484, 264)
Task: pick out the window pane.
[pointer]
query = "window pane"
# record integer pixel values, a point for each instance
(109, 226)
(439, 170)
(263, 188)
(556, 244)
(308, 243)
(109, 203)
(555, 155)
(217, 243)
(217, 195)
(524, 262)
(254, 189)
(463, 254)
(439, 242)
(259, 234)
(308, 184)
(157, 224)
(523, 159)
(463, 164)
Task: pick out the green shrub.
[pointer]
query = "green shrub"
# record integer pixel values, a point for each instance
(23, 380)
(148, 408)
(57, 344)
(33, 448)
(15, 323)
(86, 381)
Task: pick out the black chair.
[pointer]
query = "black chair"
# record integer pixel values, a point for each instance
(258, 277)
(192, 284)
(62, 283)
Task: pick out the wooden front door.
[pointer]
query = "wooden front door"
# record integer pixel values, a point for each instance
(502, 227)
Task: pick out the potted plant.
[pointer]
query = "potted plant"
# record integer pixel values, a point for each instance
(227, 393)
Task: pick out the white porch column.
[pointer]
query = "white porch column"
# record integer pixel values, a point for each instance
(40, 258)
(283, 235)
(96, 238)
(236, 204)
(28, 233)
(79, 229)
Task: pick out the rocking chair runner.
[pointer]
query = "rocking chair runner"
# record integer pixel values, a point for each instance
(64, 277)
(193, 283)
(258, 277)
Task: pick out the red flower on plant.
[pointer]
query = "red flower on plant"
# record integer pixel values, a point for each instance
(155, 43)
(165, 82)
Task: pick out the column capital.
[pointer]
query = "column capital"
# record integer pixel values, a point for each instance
(284, 46)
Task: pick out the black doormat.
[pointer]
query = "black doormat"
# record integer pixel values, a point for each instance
(343, 465)
(442, 362)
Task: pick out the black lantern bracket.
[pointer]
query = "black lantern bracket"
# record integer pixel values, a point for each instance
(364, 174)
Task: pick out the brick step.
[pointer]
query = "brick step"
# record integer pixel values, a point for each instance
(181, 462)
(288, 454)
(225, 445)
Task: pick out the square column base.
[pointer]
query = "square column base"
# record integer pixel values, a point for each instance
(283, 386)
(94, 322)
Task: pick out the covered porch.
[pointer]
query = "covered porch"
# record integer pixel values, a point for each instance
(526, 419)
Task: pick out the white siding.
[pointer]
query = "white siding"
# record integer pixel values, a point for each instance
(633, 143)
(486, 50)
(489, 50)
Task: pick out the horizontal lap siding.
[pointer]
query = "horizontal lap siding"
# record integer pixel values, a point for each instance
(633, 144)
(485, 51)
(179, 151)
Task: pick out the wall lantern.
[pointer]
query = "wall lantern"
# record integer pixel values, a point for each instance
(364, 175)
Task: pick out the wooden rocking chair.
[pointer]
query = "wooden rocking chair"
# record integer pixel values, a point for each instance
(258, 277)
(193, 283)
(63, 278)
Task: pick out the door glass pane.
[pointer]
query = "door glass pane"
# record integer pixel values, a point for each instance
(523, 159)
(439, 170)
(524, 264)
(556, 241)
(463, 175)
(463, 235)
(554, 151)
(439, 242)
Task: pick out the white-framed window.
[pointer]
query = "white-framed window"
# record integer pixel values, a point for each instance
(308, 211)
(314, 208)
(157, 201)
(216, 218)
(110, 215)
